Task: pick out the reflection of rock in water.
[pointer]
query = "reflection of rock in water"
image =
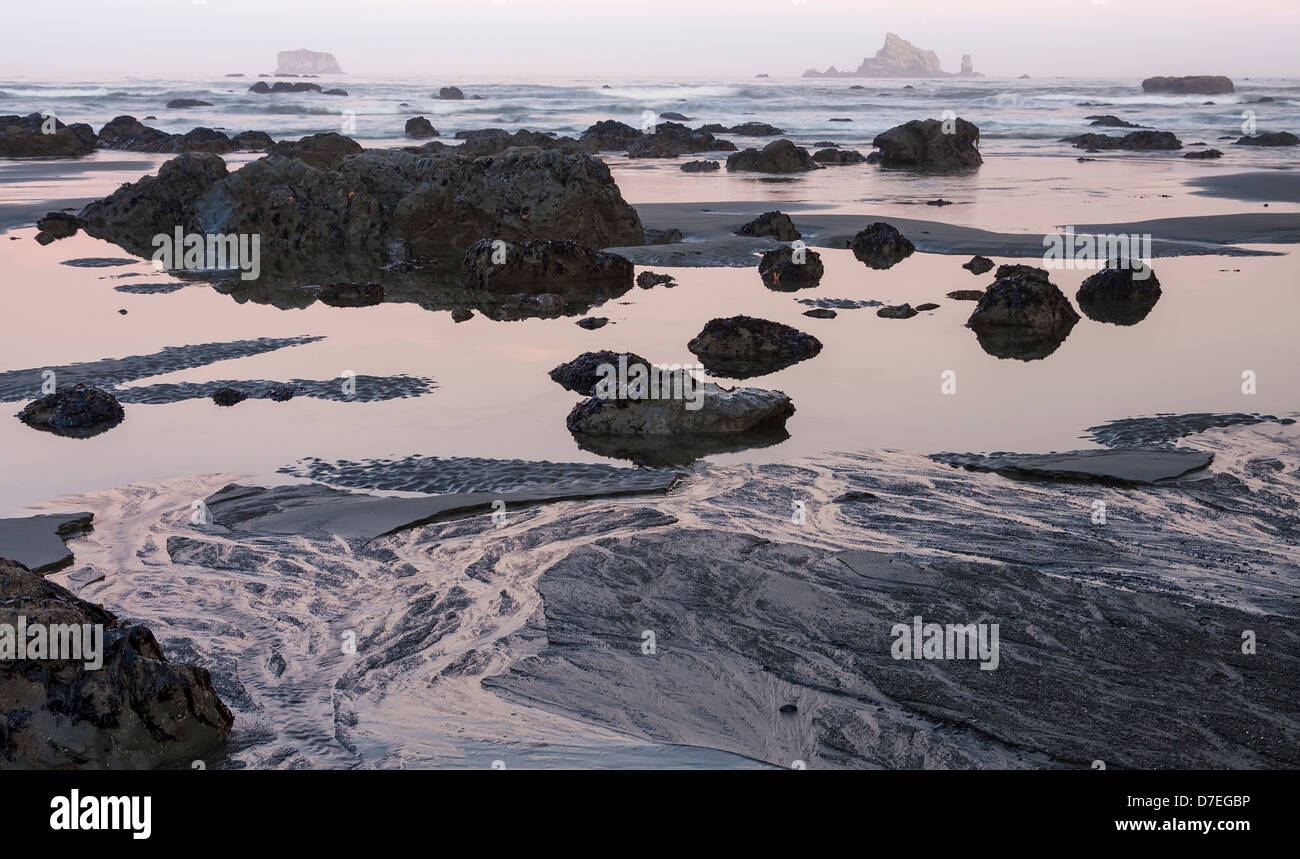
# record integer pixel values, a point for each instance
(434, 285)
(1022, 344)
(1114, 295)
(679, 449)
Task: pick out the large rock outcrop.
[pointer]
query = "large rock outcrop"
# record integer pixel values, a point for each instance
(671, 139)
(135, 710)
(305, 62)
(321, 201)
(1190, 84)
(898, 58)
(930, 144)
(129, 134)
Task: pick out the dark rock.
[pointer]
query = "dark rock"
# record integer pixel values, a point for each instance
(322, 200)
(649, 280)
(779, 156)
(777, 225)
(608, 135)
(22, 137)
(1017, 269)
(335, 92)
(1204, 154)
(783, 271)
(39, 542)
(742, 346)
(700, 166)
(1022, 316)
(228, 396)
(252, 140)
(940, 202)
(135, 710)
(1134, 466)
(921, 308)
(674, 115)
(591, 323)
(1110, 121)
(873, 157)
(787, 709)
(535, 266)
(755, 129)
(461, 314)
(420, 128)
(1140, 141)
(78, 411)
(671, 139)
(582, 373)
(281, 393)
(1207, 84)
(1118, 294)
(923, 144)
(188, 102)
(966, 294)
(838, 156)
(978, 265)
(881, 246)
(57, 225)
(855, 495)
(821, 313)
(897, 311)
(450, 92)
(1276, 138)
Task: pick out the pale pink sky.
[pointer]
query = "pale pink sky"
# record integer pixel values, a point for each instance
(469, 40)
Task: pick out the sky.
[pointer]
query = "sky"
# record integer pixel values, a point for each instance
(486, 40)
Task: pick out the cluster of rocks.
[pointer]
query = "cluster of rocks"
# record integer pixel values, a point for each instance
(263, 88)
(25, 137)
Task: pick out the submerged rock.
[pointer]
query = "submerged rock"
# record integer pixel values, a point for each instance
(1119, 295)
(78, 411)
(722, 411)
(533, 267)
(228, 396)
(1109, 120)
(779, 156)
(924, 144)
(755, 129)
(134, 710)
(743, 346)
(786, 269)
(881, 246)
(776, 225)
(1204, 154)
(188, 102)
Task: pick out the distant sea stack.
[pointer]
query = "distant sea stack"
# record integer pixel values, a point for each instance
(1190, 84)
(305, 62)
(899, 58)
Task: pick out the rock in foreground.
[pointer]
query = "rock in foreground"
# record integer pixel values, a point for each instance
(135, 710)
